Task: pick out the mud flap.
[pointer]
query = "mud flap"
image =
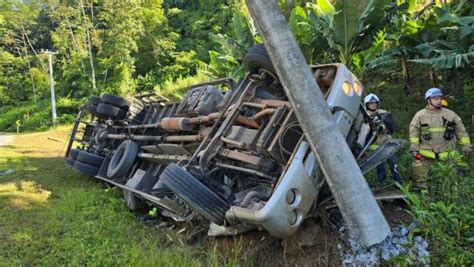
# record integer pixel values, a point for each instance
(384, 151)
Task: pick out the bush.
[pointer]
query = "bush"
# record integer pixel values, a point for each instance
(175, 89)
(69, 106)
(445, 215)
(37, 116)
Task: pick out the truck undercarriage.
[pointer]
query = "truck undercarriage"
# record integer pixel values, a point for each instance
(231, 152)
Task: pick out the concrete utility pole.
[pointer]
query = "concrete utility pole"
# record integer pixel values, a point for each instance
(351, 192)
(53, 98)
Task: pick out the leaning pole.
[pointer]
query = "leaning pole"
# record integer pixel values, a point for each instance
(349, 187)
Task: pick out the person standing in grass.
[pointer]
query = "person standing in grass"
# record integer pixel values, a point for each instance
(434, 132)
(385, 127)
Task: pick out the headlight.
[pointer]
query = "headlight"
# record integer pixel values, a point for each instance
(358, 88)
(347, 89)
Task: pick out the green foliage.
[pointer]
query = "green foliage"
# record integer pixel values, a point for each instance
(175, 89)
(37, 116)
(445, 214)
(453, 48)
(227, 60)
(342, 30)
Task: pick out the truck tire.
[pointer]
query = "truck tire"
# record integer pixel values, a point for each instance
(133, 202)
(257, 58)
(123, 159)
(92, 109)
(111, 111)
(89, 158)
(115, 101)
(86, 168)
(94, 100)
(70, 162)
(73, 153)
(91, 106)
(202, 199)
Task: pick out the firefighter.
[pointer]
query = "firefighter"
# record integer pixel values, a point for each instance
(385, 126)
(434, 131)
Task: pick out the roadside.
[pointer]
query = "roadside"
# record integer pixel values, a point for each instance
(51, 215)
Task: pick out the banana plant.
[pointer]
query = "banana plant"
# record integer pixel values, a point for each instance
(227, 60)
(412, 26)
(347, 27)
(453, 49)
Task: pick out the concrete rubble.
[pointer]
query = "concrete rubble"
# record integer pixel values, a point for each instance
(397, 244)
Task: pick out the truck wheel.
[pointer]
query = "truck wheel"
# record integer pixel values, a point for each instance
(257, 58)
(202, 199)
(91, 106)
(133, 202)
(115, 101)
(110, 111)
(94, 100)
(92, 109)
(123, 159)
(70, 162)
(73, 153)
(86, 168)
(89, 158)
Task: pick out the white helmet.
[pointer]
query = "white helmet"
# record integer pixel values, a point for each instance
(432, 92)
(371, 98)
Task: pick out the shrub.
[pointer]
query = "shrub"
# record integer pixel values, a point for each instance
(37, 116)
(444, 214)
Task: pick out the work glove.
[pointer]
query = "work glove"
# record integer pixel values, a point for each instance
(466, 149)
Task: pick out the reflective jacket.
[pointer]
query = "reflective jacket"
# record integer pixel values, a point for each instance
(427, 132)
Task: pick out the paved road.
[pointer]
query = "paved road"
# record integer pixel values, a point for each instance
(5, 140)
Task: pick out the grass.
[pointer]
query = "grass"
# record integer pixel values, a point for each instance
(51, 215)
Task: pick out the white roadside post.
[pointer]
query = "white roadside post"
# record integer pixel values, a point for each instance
(51, 79)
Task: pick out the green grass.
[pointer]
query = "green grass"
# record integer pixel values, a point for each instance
(51, 215)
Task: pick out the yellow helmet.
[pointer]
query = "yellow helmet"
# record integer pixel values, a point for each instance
(444, 103)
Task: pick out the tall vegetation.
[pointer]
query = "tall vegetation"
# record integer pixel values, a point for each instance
(125, 47)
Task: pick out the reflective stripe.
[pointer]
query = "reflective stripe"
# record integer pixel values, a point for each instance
(444, 155)
(441, 156)
(437, 130)
(414, 140)
(453, 154)
(373, 147)
(464, 140)
(428, 154)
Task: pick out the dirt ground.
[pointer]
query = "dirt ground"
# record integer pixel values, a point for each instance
(315, 243)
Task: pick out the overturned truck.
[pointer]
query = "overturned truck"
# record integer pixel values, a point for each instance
(230, 152)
